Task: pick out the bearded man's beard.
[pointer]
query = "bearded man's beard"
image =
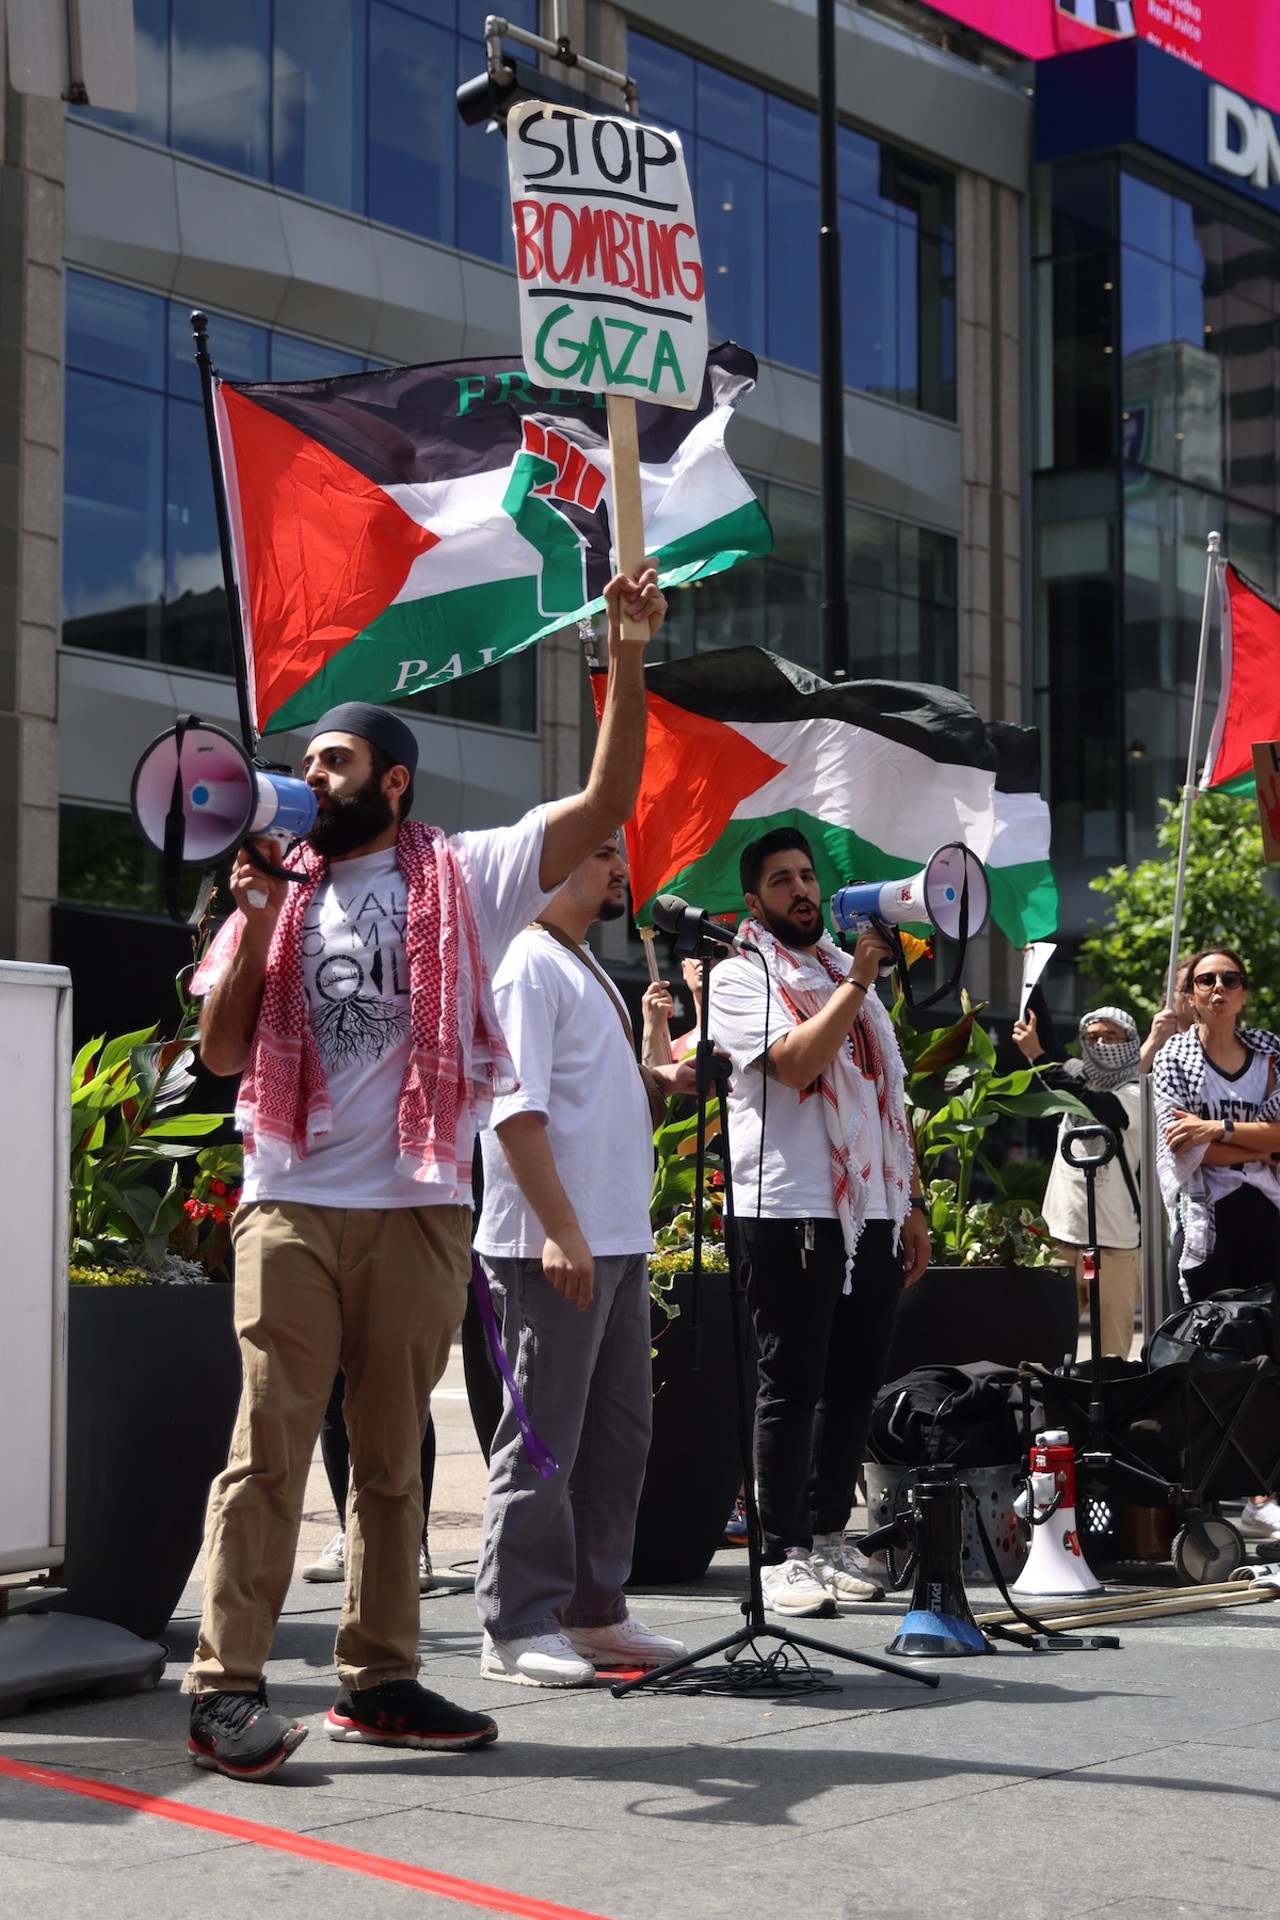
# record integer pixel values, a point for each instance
(349, 822)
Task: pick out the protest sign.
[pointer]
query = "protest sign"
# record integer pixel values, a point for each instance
(612, 294)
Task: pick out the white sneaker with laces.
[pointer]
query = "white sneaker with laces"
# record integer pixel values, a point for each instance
(835, 1567)
(1260, 1521)
(627, 1643)
(540, 1660)
(331, 1563)
(793, 1587)
(426, 1579)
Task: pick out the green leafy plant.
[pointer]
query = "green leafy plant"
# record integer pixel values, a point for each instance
(955, 1095)
(1226, 899)
(137, 1210)
(672, 1200)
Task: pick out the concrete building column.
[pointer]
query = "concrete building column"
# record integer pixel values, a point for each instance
(989, 376)
(31, 355)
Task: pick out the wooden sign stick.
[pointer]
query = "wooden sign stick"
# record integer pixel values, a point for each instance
(628, 509)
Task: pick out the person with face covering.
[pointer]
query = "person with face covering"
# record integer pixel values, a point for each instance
(1106, 1080)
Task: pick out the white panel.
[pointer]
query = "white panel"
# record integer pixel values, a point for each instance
(34, 1135)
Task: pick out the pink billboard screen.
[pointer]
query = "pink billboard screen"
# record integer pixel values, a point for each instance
(1234, 41)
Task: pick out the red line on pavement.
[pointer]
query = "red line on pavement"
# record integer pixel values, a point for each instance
(471, 1893)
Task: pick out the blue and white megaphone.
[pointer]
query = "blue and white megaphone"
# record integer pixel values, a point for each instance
(197, 795)
(950, 892)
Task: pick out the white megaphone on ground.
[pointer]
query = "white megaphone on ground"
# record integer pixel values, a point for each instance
(950, 892)
(197, 795)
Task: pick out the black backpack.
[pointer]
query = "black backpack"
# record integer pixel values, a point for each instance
(1220, 1331)
(961, 1416)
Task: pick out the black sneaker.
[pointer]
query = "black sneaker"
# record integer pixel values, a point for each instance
(400, 1713)
(237, 1734)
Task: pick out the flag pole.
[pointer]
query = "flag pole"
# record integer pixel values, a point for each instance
(1189, 788)
(235, 622)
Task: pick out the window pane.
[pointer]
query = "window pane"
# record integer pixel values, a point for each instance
(860, 169)
(113, 521)
(115, 330)
(731, 218)
(665, 79)
(484, 192)
(195, 614)
(793, 139)
(869, 260)
(1080, 205)
(1146, 217)
(1083, 359)
(792, 333)
(730, 111)
(412, 119)
(221, 83)
(317, 106)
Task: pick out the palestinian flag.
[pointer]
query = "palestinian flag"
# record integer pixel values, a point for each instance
(1249, 701)
(875, 773)
(395, 530)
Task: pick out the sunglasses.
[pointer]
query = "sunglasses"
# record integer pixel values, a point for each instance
(1228, 979)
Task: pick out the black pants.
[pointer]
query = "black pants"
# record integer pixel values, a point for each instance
(822, 1355)
(335, 1451)
(1246, 1248)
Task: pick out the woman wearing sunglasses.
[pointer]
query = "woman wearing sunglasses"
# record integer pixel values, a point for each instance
(1217, 1095)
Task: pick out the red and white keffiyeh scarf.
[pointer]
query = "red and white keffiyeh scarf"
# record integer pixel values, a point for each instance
(458, 1058)
(862, 1104)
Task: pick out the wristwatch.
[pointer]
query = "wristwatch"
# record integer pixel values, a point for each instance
(1228, 1128)
(918, 1200)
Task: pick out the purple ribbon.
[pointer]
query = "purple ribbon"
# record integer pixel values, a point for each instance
(539, 1454)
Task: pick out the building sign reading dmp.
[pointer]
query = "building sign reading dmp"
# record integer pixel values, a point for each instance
(1243, 139)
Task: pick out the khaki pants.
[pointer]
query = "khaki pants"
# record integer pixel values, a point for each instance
(1119, 1291)
(379, 1293)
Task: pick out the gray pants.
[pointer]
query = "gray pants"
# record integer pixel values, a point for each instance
(556, 1552)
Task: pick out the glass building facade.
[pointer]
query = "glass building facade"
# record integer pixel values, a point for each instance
(351, 103)
(1157, 312)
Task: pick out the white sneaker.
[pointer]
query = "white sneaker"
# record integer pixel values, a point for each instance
(793, 1587)
(1260, 1522)
(541, 1660)
(426, 1579)
(627, 1643)
(836, 1567)
(332, 1563)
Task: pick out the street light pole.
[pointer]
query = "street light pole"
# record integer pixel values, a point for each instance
(835, 606)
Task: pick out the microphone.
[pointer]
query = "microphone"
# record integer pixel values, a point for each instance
(690, 925)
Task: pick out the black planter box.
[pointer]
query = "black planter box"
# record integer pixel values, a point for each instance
(153, 1381)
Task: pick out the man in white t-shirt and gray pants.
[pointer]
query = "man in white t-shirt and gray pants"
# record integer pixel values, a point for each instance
(358, 1008)
(569, 1267)
(829, 1220)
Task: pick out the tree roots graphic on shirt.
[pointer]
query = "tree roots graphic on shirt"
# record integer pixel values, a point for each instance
(353, 1031)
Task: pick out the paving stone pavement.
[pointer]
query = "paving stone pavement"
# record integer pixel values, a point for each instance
(1134, 1784)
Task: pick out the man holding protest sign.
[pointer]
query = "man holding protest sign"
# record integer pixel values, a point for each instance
(358, 1007)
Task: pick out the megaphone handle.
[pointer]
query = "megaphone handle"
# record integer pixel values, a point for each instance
(257, 898)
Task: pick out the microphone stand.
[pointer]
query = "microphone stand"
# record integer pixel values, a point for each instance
(766, 1671)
